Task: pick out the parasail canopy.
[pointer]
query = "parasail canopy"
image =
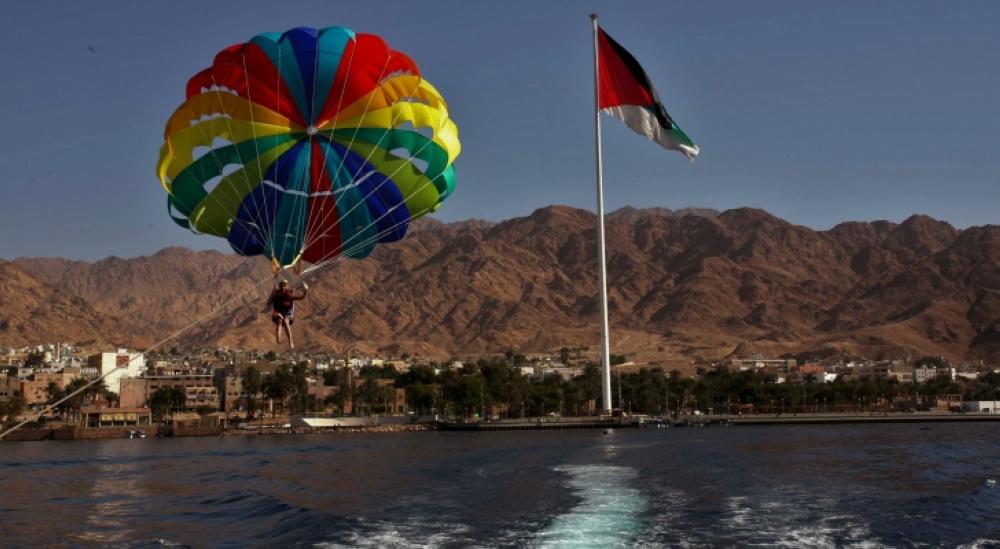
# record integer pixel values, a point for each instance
(308, 145)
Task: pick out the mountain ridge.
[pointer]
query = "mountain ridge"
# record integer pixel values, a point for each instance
(688, 285)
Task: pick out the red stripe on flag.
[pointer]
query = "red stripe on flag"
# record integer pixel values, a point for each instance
(622, 80)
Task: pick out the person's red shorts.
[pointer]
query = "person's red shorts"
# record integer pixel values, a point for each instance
(276, 317)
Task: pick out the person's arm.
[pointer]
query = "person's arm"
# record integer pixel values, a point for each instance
(305, 290)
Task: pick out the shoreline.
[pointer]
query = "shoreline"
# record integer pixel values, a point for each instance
(527, 424)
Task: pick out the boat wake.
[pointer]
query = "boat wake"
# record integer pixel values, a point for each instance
(607, 515)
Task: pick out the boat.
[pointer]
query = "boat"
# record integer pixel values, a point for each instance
(138, 433)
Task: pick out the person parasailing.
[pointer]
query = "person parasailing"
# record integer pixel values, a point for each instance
(282, 303)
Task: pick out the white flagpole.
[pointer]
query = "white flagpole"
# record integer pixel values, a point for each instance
(605, 341)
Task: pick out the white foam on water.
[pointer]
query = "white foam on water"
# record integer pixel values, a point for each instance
(412, 533)
(608, 514)
(785, 524)
(662, 530)
(981, 544)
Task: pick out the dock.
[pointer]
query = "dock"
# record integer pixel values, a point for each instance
(715, 420)
(540, 424)
(848, 418)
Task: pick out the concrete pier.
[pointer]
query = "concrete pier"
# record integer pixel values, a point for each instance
(540, 424)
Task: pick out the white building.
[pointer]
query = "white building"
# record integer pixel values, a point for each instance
(116, 366)
(981, 406)
(778, 365)
(564, 372)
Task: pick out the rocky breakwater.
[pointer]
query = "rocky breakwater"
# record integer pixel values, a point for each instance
(281, 430)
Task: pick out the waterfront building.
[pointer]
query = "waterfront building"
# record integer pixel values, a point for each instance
(35, 389)
(116, 366)
(233, 396)
(923, 374)
(947, 403)
(395, 398)
(9, 386)
(565, 372)
(817, 372)
(902, 376)
(199, 390)
(94, 417)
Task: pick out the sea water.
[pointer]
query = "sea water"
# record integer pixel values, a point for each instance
(790, 486)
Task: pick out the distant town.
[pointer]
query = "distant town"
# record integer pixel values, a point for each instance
(209, 391)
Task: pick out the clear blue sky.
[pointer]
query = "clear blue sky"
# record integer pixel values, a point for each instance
(816, 112)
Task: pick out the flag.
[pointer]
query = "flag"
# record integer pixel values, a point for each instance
(626, 93)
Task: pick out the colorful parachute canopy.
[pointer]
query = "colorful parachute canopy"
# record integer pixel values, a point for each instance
(311, 144)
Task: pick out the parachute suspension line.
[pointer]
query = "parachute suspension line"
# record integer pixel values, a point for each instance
(215, 157)
(311, 238)
(311, 122)
(274, 206)
(156, 345)
(256, 146)
(390, 210)
(368, 157)
(357, 128)
(344, 253)
(215, 244)
(311, 118)
(243, 163)
(299, 215)
(340, 100)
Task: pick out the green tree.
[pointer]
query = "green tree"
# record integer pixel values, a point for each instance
(34, 360)
(90, 391)
(166, 400)
(11, 408)
(275, 390)
(54, 392)
(931, 361)
(564, 355)
(205, 410)
(251, 387)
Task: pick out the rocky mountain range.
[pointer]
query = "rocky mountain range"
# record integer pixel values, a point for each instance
(684, 285)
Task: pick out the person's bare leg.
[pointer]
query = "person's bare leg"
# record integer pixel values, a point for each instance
(277, 332)
(288, 331)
